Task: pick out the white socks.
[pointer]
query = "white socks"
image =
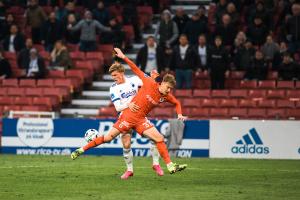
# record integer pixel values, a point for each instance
(128, 158)
(154, 153)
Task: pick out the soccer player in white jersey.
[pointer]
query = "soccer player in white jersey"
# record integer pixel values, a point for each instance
(121, 93)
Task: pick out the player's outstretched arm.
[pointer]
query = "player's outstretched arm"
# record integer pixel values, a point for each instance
(131, 64)
(174, 101)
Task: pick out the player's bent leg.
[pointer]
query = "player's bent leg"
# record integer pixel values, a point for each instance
(128, 155)
(96, 142)
(155, 158)
(153, 134)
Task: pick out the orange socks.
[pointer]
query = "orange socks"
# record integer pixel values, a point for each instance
(163, 151)
(96, 142)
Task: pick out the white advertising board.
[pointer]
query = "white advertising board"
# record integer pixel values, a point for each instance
(255, 139)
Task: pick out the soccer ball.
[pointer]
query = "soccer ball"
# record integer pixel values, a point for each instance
(91, 134)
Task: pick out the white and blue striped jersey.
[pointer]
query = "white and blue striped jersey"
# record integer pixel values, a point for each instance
(122, 94)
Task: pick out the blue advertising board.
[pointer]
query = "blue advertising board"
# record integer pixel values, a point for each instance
(28, 136)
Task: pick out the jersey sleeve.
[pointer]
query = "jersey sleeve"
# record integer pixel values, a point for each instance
(116, 100)
(170, 98)
(137, 80)
(144, 77)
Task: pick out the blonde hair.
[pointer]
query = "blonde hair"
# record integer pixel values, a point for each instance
(116, 67)
(169, 78)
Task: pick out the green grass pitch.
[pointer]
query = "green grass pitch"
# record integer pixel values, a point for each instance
(94, 177)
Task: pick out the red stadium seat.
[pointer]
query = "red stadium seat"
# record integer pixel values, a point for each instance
(276, 94)
(129, 33)
(164, 112)
(107, 50)
(35, 108)
(53, 92)
(43, 101)
(191, 102)
(297, 104)
(239, 94)
(219, 113)
(11, 108)
(85, 65)
(266, 103)
(45, 55)
(247, 103)
(73, 47)
(237, 75)
(293, 113)
(10, 55)
(34, 92)
(16, 91)
(209, 103)
(267, 84)
(257, 94)
(272, 75)
(238, 112)
(78, 74)
(39, 47)
(6, 100)
(27, 83)
(293, 95)
(285, 84)
(248, 84)
(107, 112)
(285, 104)
(56, 74)
(183, 93)
(220, 93)
(257, 113)
(21, 101)
(3, 91)
(276, 113)
(64, 83)
(10, 83)
(298, 84)
(77, 55)
(94, 55)
(201, 93)
(228, 103)
(199, 113)
(45, 83)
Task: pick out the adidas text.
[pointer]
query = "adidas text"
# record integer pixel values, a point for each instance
(250, 149)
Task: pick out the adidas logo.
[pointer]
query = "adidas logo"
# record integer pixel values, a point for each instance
(250, 143)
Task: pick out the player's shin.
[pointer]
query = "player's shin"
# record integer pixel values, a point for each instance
(163, 151)
(154, 153)
(128, 158)
(96, 142)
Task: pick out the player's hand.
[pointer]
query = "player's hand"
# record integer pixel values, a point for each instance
(133, 107)
(119, 53)
(181, 117)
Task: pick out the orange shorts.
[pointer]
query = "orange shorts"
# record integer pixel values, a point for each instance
(139, 125)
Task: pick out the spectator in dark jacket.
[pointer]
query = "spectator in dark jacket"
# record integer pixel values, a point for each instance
(184, 61)
(196, 27)
(270, 49)
(278, 57)
(167, 30)
(257, 32)
(35, 68)
(51, 31)
(150, 57)
(244, 56)
(293, 29)
(218, 64)
(226, 30)
(5, 69)
(221, 9)
(262, 12)
(71, 37)
(259, 68)
(116, 36)
(23, 56)
(181, 18)
(60, 57)
(5, 26)
(101, 14)
(234, 15)
(14, 42)
(287, 70)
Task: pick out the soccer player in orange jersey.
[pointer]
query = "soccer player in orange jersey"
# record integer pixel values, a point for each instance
(149, 96)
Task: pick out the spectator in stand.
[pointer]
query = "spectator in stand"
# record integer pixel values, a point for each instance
(35, 68)
(150, 57)
(116, 36)
(258, 69)
(35, 17)
(5, 69)
(218, 64)
(257, 32)
(244, 56)
(220, 11)
(167, 30)
(262, 12)
(23, 56)
(184, 61)
(130, 17)
(51, 31)
(270, 49)
(278, 58)
(166, 62)
(293, 29)
(2, 11)
(101, 14)
(240, 40)
(14, 42)
(234, 15)
(287, 69)
(181, 18)
(71, 37)
(202, 53)
(88, 27)
(196, 26)
(227, 30)
(63, 13)
(60, 58)
(5, 26)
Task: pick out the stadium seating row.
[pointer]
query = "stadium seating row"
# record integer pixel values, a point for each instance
(49, 103)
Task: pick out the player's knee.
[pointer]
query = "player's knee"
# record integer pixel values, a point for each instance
(126, 145)
(159, 138)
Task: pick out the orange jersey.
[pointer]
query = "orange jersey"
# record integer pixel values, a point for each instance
(148, 95)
